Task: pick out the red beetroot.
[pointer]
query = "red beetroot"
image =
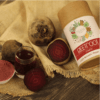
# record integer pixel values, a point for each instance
(59, 51)
(35, 79)
(6, 71)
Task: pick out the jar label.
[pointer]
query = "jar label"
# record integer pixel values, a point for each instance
(83, 37)
(86, 48)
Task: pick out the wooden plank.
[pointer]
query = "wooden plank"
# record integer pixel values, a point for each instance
(60, 88)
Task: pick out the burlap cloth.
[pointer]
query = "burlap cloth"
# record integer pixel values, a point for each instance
(15, 18)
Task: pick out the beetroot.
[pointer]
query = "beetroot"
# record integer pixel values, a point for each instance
(59, 51)
(35, 79)
(9, 49)
(6, 71)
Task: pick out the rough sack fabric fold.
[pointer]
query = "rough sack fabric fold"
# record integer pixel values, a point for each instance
(15, 18)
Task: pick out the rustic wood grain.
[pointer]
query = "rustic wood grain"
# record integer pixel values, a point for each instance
(60, 88)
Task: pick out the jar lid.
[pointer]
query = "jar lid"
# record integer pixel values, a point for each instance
(72, 11)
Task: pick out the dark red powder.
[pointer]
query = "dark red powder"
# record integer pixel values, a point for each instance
(6, 70)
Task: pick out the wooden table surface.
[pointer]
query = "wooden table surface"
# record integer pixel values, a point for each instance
(60, 88)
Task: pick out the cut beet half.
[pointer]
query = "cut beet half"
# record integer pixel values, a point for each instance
(7, 71)
(35, 79)
(59, 51)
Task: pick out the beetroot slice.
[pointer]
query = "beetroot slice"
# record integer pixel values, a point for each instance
(58, 51)
(35, 79)
(6, 71)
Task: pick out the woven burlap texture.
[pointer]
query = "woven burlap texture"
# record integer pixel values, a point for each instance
(15, 18)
